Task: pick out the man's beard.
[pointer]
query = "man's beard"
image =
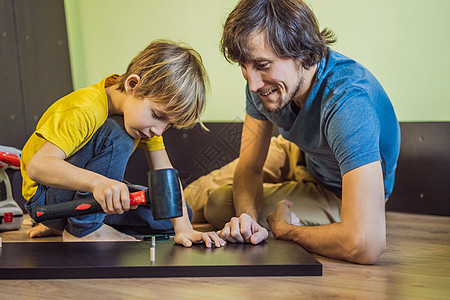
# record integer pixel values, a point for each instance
(286, 99)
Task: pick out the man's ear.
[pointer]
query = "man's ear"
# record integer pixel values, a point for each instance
(131, 82)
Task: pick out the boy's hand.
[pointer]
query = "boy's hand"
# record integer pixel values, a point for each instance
(113, 196)
(192, 236)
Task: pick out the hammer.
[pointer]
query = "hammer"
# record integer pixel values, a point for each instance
(164, 197)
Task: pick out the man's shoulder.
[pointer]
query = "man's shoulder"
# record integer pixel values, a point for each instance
(341, 70)
(344, 78)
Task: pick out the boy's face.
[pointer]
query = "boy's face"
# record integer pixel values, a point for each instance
(277, 80)
(143, 118)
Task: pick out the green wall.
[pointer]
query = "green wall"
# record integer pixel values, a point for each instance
(404, 43)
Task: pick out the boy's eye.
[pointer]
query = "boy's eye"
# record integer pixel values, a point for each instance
(155, 115)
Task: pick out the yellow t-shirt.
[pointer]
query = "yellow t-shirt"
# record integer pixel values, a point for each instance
(70, 123)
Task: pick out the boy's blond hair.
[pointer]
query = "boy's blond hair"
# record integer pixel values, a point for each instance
(172, 74)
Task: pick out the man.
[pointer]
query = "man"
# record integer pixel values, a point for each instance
(334, 111)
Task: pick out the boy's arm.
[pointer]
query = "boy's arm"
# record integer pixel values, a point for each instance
(360, 236)
(48, 167)
(160, 160)
(184, 233)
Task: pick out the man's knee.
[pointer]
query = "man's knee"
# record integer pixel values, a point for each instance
(219, 208)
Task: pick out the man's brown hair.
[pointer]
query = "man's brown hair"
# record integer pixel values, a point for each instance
(290, 28)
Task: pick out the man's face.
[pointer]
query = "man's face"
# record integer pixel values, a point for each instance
(277, 80)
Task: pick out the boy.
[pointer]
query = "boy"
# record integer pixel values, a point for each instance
(83, 141)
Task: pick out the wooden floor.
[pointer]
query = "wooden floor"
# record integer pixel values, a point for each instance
(416, 265)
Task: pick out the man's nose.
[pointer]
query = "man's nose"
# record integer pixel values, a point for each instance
(254, 79)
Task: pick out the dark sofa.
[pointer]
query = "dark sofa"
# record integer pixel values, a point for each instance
(422, 178)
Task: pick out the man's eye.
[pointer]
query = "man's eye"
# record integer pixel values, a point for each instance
(262, 65)
(155, 115)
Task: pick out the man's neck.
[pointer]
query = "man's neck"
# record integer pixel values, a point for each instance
(309, 76)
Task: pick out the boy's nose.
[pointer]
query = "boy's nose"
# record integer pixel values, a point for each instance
(159, 129)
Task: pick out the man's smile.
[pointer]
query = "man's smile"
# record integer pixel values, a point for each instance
(267, 92)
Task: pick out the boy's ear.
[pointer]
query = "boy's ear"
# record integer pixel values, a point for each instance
(131, 82)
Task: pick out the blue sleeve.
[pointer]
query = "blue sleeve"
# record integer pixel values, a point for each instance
(251, 107)
(353, 132)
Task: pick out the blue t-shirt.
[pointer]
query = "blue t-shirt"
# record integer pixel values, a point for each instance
(347, 121)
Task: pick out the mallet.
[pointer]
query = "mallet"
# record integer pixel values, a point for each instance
(164, 196)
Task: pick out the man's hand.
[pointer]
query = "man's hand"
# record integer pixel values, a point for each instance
(192, 236)
(280, 218)
(243, 230)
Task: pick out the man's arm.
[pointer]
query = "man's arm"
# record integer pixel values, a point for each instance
(248, 185)
(247, 180)
(360, 236)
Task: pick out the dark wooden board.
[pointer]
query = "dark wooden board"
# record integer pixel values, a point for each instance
(132, 259)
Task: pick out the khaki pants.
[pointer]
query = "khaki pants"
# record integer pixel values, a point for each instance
(284, 177)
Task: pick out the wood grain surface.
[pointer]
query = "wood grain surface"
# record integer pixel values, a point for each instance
(415, 265)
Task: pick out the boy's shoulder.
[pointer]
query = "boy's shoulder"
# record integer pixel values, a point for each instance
(94, 94)
(91, 98)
